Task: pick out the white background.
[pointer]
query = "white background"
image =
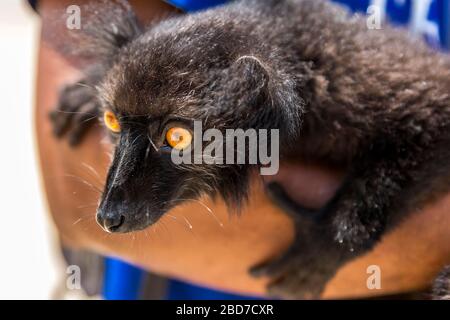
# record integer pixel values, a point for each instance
(28, 265)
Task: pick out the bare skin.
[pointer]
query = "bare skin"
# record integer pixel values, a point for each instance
(214, 248)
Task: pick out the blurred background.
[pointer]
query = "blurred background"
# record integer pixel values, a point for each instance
(31, 265)
(28, 268)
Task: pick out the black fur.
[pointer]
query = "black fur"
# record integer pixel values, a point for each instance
(372, 101)
(441, 286)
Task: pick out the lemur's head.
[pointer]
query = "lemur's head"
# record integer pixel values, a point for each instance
(193, 68)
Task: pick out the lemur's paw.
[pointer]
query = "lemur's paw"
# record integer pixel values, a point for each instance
(77, 109)
(441, 286)
(291, 279)
(294, 286)
(274, 268)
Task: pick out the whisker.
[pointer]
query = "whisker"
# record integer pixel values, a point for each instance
(188, 222)
(134, 116)
(88, 206)
(208, 209)
(86, 218)
(178, 221)
(78, 220)
(152, 143)
(136, 139)
(76, 112)
(85, 85)
(163, 225)
(91, 169)
(84, 182)
(89, 119)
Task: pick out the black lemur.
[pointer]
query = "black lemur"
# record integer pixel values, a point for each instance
(375, 102)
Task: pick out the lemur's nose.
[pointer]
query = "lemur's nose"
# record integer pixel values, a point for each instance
(110, 223)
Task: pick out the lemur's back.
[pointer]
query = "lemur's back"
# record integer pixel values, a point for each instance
(358, 83)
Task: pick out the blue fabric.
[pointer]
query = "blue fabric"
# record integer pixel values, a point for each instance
(435, 14)
(193, 5)
(179, 290)
(122, 280)
(399, 12)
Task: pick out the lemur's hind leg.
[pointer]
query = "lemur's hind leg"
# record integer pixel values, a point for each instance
(300, 273)
(352, 222)
(313, 257)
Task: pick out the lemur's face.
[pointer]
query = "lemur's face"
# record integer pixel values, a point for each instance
(152, 95)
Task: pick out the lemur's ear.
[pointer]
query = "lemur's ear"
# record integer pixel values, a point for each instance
(103, 28)
(248, 80)
(267, 96)
(253, 69)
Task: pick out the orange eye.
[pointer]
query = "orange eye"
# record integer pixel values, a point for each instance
(178, 138)
(111, 121)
